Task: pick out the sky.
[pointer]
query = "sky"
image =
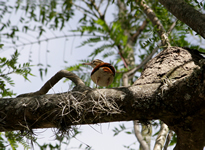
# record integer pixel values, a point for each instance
(100, 136)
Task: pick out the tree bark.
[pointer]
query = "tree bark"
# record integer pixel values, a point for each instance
(171, 88)
(187, 14)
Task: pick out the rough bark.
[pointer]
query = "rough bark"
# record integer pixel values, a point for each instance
(187, 14)
(171, 89)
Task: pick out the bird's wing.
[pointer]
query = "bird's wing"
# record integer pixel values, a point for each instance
(106, 67)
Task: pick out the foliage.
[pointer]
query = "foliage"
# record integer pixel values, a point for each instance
(174, 140)
(12, 139)
(117, 131)
(10, 66)
(62, 139)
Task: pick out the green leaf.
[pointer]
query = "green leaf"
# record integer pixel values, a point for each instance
(90, 40)
(174, 140)
(102, 24)
(128, 132)
(1, 46)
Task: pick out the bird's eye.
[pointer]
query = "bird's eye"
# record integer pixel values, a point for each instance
(94, 61)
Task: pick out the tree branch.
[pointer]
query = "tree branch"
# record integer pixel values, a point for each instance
(122, 57)
(75, 107)
(106, 8)
(51, 82)
(140, 29)
(169, 137)
(89, 5)
(85, 11)
(172, 27)
(187, 14)
(161, 137)
(97, 9)
(155, 21)
(139, 136)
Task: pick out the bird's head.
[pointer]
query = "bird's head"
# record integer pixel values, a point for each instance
(94, 63)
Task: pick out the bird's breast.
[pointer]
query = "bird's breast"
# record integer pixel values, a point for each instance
(103, 76)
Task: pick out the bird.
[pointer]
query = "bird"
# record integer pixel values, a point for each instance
(103, 73)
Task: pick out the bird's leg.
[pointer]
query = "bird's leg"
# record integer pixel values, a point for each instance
(108, 81)
(97, 82)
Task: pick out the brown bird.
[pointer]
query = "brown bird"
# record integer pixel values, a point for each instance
(103, 73)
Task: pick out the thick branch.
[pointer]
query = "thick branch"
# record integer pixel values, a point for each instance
(72, 108)
(186, 14)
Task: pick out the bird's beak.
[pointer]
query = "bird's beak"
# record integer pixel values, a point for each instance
(89, 63)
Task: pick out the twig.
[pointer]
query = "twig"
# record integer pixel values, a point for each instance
(85, 10)
(89, 5)
(120, 53)
(106, 8)
(100, 3)
(172, 27)
(97, 9)
(140, 29)
(52, 38)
